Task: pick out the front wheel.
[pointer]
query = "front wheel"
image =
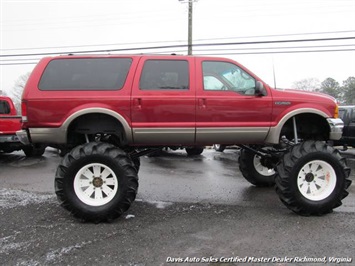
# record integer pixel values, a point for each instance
(312, 178)
(194, 150)
(96, 182)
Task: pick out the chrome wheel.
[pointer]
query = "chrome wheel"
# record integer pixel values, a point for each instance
(95, 184)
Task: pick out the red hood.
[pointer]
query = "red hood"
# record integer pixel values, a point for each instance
(304, 94)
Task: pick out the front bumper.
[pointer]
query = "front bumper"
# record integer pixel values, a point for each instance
(23, 137)
(336, 128)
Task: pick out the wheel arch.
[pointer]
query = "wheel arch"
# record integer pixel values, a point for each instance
(302, 115)
(107, 117)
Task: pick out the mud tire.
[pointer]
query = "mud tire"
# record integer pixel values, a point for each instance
(109, 167)
(252, 170)
(191, 151)
(36, 150)
(323, 173)
(219, 147)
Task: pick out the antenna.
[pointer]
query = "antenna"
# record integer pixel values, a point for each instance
(273, 70)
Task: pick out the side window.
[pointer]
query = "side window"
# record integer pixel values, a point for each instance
(4, 108)
(227, 76)
(85, 74)
(165, 75)
(212, 83)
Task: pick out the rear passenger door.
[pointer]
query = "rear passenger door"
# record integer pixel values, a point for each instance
(163, 101)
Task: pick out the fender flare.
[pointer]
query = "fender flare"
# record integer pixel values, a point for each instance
(273, 136)
(126, 127)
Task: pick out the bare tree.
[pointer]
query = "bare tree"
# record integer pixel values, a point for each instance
(17, 90)
(3, 93)
(308, 84)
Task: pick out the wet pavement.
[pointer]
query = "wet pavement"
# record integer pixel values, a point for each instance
(196, 207)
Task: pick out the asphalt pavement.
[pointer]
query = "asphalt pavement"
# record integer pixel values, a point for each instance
(189, 211)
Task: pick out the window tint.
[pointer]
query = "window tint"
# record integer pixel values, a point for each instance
(227, 76)
(165, 75)
(85, 74)
(4, 108)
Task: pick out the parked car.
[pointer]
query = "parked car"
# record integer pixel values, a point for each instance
(347, 114)
(10, 122)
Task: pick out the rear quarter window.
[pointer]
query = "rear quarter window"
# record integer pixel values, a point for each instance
(4, 108)
(85, 74)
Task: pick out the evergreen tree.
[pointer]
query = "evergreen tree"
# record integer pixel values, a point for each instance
(349, 91)
(331, 87)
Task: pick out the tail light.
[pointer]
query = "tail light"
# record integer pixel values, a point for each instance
(24, 111)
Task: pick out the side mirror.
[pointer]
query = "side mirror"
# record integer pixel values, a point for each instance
(259, 89)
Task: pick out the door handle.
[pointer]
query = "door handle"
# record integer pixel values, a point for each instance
(202, 103)
(137, 102)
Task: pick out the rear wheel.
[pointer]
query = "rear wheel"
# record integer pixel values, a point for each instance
(35, 150)
(312, 178)
(96, 182)
(194, 150)
(219, 147)
(255, 169)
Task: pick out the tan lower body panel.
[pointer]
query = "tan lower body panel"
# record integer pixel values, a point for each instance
(186, 136)
(241, 135)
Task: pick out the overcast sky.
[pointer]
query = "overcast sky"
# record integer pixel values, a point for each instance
(45, 26)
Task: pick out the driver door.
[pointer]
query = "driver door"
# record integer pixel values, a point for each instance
(228, 111)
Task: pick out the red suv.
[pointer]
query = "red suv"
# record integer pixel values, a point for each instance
(112, 109)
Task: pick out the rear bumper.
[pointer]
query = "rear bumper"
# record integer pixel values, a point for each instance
(336, 128)
(23, 137)
(8, 139)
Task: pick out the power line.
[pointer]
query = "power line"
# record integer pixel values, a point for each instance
(178, 41)
(283, 52)
(227, 53)
(180, 46)
(253, 49)
(221, 49)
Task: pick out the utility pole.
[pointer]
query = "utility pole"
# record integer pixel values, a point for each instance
(189, 39)
(189, 30)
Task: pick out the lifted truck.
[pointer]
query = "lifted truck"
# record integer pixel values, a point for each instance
(112, 109)
(10, 122)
